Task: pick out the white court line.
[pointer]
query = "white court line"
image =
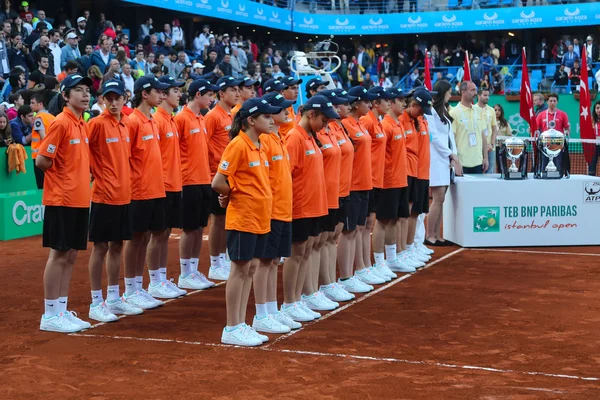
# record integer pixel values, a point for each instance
(164, 301)
(348, 356)
(366, 296)
(565, 253)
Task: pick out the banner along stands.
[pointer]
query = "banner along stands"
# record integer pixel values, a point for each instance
(21, 214)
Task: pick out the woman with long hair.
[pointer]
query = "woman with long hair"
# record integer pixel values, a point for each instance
(96, 76)
(242, 182)
(443, 158)
(5, 132)
(596, 120)
(504, 128)
(384, 81)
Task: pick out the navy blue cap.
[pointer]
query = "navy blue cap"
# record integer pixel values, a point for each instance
(397, 92)
(257, 106)
(74, 80)
(170, 81)
(362, 94)
(277, 100)
(147, 82)
(290, 80)
(382, 93)
(333, 97)
(314, 83)
(115, 86)
(424, 98)
(273, 85)
(247, 82)
(342, 93)
(228, 81)
(321, 103)
(202, 86)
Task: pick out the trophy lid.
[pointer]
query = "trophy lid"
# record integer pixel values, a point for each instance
(515, 147)
(552, 141)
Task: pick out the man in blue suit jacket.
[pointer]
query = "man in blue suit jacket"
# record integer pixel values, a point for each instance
(102, 57)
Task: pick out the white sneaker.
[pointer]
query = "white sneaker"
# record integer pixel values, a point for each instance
(418, 258)
(100, 312)
(193, 282)
(123, 307)
(417, 255)
(316, 302)
(138, 300)
(355, 285)
(72, 316)
(344, 291)
(304, 307)
(240, 337)
(368, 277)
(334, 292)
(327, 300)
(162, 290)
(150, 298)
(408, 260)
(424, 249)
(284, 319)
(269, 324)
(399, 265)
(174, 288)
(204, 279)
(296, 313)
(387, 271)
(377, 269)
(58, 323)
(219, 273)
(262, 338)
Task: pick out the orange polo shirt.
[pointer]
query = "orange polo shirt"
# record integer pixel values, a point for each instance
(424, 151)
(169, 149)
(67, 181)
(280, 176)
(291, 121)
(235, 109)
(218, 124)
(332, 158)
(147, 180)
(109, 159)
(347, 149)
(394, 175)
(412, 144)
(308, 176)
(362, 174)
(193, 148)
(250, 200)
(42, 122)
(378, 142)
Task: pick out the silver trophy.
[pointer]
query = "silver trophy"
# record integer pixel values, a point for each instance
(515, 147)
(553, 143)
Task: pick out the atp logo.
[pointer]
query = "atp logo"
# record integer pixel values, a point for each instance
(591, 193)
(486, 219)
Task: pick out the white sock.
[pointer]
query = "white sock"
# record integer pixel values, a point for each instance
(185, 267)
(379, 258)
(287, 305)
(390, 252)
(112, 293)
(223, 259)
(50, 308)
(97, 297)
(215, 261)
(194, 264)
(261, 311)
(162, 271)
(139, 282)
(154, 276)
(227, 256)
(130, 286)
(272, 307)
(233, 328)
(62, 304)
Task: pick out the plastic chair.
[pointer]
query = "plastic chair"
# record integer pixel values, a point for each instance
(492, 3)
(550, 70)
(536, 74)
(452, 3)
(466, 3)
(507, 2)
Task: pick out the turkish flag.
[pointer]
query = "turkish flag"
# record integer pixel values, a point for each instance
(427, 82)
(526, 109)
(467, 68)
(586, 129)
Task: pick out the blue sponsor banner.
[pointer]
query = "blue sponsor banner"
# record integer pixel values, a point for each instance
(372, 24)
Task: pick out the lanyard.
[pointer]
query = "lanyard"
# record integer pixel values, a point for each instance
(469, 126)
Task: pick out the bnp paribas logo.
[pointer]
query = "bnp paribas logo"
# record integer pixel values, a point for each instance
(486, 219)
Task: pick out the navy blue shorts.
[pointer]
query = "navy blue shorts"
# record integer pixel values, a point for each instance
(358, 211)
(245, 246)
(304, 227)
(279, 243)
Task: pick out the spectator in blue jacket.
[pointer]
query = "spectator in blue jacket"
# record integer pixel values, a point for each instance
(70, 52)
(102, 57)
(21, 126)
(487, 61)
(476, 71)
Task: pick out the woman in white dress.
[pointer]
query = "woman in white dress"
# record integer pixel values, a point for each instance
(443, 159)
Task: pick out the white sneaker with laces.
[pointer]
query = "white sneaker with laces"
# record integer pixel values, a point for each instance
(399, 265)
(204, 279)
(314, 302)
(367, 276)
(174, 288)
(269, 324)
(123, 307)
(334, 293)
(344, 291)
(416, 254)
(218, 273)
(424, 249)
(100, 312)
(284, 319)
(388, 271)
(304, 307)
(296, 313)
(327, 300)
(193, 282)
(72, 316)
(354, 285)
(150, 298)
(378, 270)
(58, 323)
(262, 338)
(411, 262)
(138, 299)
(162, 290)
(240, 337)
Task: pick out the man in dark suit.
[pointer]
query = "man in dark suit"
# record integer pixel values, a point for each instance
(590, 49)
(543, 52)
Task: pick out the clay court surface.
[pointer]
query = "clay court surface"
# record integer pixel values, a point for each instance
(475, 324)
